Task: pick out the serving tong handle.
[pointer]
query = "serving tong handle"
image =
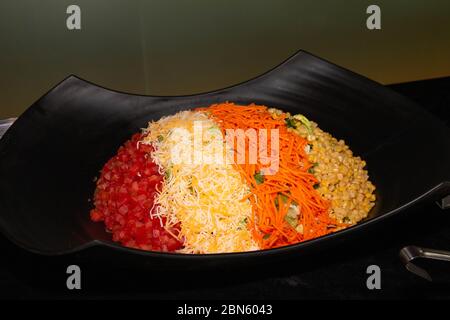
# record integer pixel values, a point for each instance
(444, 203)
(410, 253)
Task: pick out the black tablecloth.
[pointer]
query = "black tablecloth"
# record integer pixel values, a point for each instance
(337, 274)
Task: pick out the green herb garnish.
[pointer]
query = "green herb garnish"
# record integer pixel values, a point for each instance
(167, 174)
(290, 123)
(293, 221)
(283, 198)
(304, 121)
(259, 177)
(311, 170)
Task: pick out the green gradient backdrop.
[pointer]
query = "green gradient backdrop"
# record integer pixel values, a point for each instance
(183, 47)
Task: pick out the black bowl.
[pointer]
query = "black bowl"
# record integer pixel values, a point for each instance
(51, 154)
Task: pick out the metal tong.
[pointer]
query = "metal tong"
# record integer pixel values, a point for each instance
(410, 253)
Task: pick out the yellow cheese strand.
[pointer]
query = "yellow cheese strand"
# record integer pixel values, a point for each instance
(205, 198)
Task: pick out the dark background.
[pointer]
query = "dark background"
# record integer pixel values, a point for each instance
(173, 47)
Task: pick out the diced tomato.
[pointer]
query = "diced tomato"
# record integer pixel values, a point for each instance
(124, 198)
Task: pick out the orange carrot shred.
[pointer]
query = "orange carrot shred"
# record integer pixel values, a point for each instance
(292, 180)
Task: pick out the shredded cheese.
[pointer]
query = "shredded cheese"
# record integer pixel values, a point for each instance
(203, 196)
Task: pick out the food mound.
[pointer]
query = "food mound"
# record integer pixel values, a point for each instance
(230, 178)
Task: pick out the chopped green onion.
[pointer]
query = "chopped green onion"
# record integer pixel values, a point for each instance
(305, 122)
(167, 174)
(283, 198)
(290, 123)
(293, 221)
(259, 177)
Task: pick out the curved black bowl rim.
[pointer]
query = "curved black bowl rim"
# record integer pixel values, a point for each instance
(445, 185)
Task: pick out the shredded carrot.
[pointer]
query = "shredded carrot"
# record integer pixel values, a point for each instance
(292, 180)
